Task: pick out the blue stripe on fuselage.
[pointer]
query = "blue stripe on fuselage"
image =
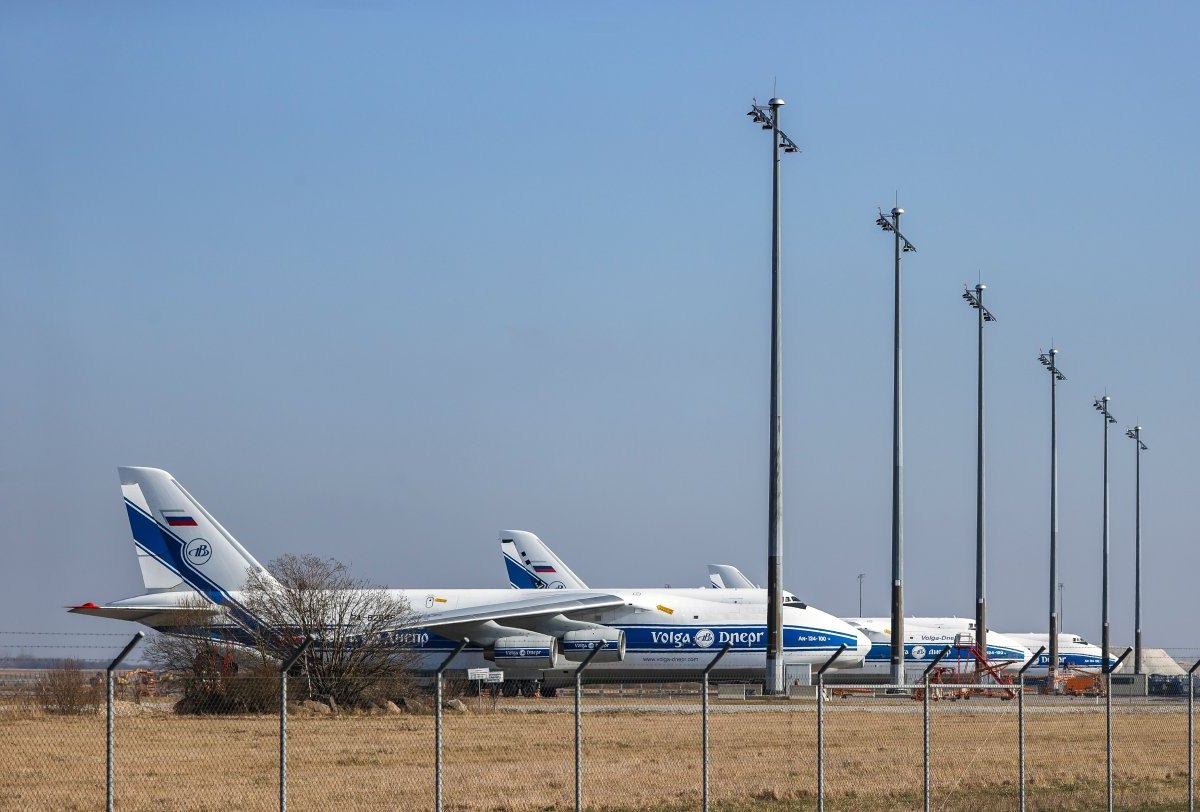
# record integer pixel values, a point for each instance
(653, 637)
(677, 638)
(882, 652)
(1075, 660)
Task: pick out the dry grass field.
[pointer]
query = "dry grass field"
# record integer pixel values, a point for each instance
(761, 759)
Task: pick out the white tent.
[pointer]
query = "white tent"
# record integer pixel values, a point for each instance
(1154, 661)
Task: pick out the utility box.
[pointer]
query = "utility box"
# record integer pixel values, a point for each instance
(1129, 684)
(799, 674)
(804, 692)
(727, 690)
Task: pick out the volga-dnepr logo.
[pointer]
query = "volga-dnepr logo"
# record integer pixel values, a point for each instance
(704, 638)
(197, 552)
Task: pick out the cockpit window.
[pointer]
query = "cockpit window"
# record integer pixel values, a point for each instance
(796, 602)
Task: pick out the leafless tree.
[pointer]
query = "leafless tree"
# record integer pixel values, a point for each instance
(227, 658)
(358, 654)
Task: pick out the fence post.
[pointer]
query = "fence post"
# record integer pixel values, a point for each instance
(704, 717)
(108, 702)
(821, 727)
(1191, 763)
(283, 672)
(1108, 722)
(437, 725)
(925, 721)
(1021, 723)
(579, 725)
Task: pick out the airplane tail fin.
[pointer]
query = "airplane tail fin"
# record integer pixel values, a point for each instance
(727, 576)
(179, 544)
(531, 564)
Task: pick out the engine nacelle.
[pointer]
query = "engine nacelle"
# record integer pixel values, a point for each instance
(524, 651)
(578, 644)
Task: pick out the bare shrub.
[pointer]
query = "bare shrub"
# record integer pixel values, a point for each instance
(358, 656)
(217, 674)
(227, 661)
(64, 690)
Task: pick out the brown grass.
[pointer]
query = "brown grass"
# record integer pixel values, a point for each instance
(510, 762)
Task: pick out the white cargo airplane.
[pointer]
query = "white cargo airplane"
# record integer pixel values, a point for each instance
(924, 639)
(643, 634)
(1074, 653)
(531, 564)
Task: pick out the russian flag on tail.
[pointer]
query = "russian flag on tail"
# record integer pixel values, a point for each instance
(178, 518)
(543, 568)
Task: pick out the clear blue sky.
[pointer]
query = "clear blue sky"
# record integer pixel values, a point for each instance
(376, 280)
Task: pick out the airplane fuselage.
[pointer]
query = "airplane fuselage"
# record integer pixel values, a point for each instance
(1074, 653)
(668, 635)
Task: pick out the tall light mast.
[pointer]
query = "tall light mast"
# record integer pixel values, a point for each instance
(902, 246)
(1056, 375)
(1135, 434)
(975, 300)
(1101, 405)
(768, 116)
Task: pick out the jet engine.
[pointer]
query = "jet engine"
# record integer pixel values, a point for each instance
(524, 651)
(577, 644)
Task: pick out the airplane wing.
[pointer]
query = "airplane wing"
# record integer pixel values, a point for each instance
(538, 605)
(532, 631)
(878, 625)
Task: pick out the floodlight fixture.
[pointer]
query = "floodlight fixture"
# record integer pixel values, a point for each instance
(767, 115)
(975, 300)
(884, 223)
(1047, 360)
(1135, 433)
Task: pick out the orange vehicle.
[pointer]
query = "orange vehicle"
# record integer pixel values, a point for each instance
(1084, 685)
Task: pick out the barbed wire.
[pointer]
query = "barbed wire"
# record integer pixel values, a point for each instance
(47, 645)
(72, 634)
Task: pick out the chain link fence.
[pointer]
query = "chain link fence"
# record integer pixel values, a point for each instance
(212, 741)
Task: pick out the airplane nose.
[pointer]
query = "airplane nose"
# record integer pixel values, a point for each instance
(862, 646)
(1024, 656)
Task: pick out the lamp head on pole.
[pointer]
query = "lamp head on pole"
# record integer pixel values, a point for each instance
(765, 116)
(890, 225)
(1135, 433)
(1047, 359)
(975, 300)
